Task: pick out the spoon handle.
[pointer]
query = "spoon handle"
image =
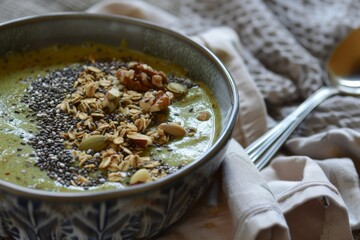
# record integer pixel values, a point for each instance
(263, 149)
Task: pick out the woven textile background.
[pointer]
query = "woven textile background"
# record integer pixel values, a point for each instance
(284, 43)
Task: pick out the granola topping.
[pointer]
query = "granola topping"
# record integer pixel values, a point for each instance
(116, 121)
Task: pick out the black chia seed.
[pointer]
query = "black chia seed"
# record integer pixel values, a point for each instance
(42, 97)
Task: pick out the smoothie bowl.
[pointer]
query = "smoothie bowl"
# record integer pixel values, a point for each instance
(110, 127)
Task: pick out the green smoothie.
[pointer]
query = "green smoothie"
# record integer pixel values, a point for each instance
(193, 111)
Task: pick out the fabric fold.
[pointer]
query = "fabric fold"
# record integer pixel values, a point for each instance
(308, 199)
(340, 151)
(255, 211)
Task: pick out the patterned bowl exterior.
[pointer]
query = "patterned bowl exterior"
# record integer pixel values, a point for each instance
(138, 211)
(136, 216)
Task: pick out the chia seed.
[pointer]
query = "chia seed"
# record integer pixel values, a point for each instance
(42, 97)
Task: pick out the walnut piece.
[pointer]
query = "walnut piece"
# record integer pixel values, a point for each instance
(141, 77)
(155, 101)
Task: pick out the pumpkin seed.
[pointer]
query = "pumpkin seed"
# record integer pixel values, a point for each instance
(94, 142)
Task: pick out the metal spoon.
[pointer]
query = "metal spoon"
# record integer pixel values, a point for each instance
(343, 67)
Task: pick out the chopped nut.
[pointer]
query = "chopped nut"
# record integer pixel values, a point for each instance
(157, 80)
(140, 176)
(174, 129)
(111, 100)
(113, 93)
(155, 101)
(139, 139)
(141, 77)
(203, 116)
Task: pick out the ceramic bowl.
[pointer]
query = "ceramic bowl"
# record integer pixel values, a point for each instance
(140, 211)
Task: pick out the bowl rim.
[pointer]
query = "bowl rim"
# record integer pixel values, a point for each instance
(217, 146)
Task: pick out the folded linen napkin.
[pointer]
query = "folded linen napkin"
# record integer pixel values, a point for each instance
(275, 50)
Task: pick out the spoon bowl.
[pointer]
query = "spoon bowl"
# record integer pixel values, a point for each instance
(343, 68)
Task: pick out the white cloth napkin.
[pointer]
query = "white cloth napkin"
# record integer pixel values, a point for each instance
(297, 196)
